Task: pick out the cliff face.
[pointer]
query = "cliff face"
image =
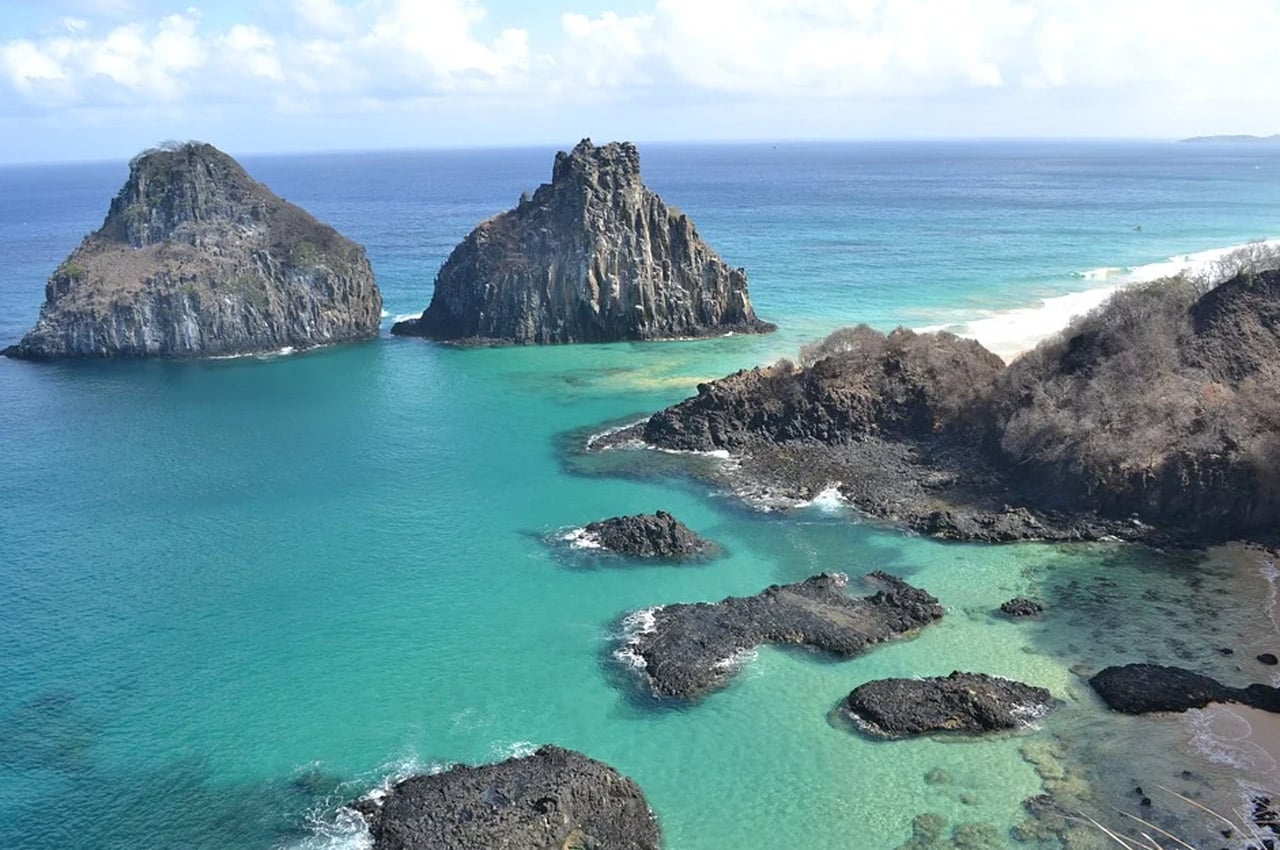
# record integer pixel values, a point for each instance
(197, 259)
(593, 256)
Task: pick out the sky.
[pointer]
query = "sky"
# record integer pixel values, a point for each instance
(103, 79)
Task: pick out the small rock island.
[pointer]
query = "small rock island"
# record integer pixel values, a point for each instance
(592, 256)
(555, 799)
(197, 259)
(658, 535)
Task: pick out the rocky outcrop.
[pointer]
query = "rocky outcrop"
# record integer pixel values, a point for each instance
(657, 535)
(555, 799)
(962, 702)
(197, 259)
(1144, 688)
(860, 384)
(1020, 608)
(1155, 418)
(687, 650)
(592, 256)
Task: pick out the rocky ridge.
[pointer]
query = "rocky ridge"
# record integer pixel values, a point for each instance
(689, 649)
(554, 799)
(197, 259)
(592, 256)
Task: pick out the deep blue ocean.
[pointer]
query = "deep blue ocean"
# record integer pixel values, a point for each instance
(235, 594)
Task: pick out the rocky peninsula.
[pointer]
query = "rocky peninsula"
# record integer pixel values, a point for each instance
(962, 702)
(687, 650)
(1144, 688)
(658, 535)
(592, 256)
(197, 259)
(555, 799)
(1154, 419)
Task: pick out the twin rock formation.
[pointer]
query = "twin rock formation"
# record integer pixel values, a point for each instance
(592, 256)
(196, 259)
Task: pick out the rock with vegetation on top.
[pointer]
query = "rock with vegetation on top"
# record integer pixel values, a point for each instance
(961, 702)
(197, 259)
(691, 649)
(555, 799)
(592, 256)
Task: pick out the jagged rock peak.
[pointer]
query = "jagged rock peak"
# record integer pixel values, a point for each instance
(592, 256)
(175, 185)
(196, 259)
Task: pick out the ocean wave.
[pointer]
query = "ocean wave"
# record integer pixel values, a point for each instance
(828, 500)
(1013, 331)
(404, 317)
(503, 750)
(609, 432)
(580, 538)
(634, 626)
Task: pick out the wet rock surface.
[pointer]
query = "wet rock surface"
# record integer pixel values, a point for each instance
(657, 535)
(692, 648)
(197, 259)
(592, 256)
(1020, 608)
(961, 702)
(1144, 688)
(555, 799)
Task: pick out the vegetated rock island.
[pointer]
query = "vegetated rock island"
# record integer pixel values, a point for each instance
(197, 259)
(592, 256)
(962, 702)
(658, 535)
(689, 649)
(555, 799)
(1154, 418)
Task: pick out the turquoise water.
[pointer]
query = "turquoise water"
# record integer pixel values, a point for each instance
(236, 593)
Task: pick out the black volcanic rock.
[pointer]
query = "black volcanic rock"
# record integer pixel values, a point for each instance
(961, 702)
(197, 259)
(690, 649)
(657, 535)
(555, 799)
(1019, 607)
(1144, 688)
(592, 256)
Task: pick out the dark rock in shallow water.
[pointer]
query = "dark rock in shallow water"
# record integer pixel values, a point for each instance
(555, 799)
(961, 702)
(657, 535)
(1269, 659)
(593, 256)
(1144, 688)
(196, 259)
(1019, 607)
(690, 649)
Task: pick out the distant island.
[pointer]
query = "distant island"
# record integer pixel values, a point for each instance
(1240, 137)
(592, 256)
(198, 259)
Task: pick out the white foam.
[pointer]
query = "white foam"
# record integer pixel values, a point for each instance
(828, 500)
(609, 432)
(736, 661)
(634, 626)
(503, 750)
(720, 454)
(1221, 736)
(404, 317)
(1011, 332)
(580, 538)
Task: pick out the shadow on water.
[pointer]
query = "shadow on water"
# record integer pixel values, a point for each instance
(49, 732)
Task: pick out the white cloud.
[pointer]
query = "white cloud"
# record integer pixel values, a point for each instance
(389, 51)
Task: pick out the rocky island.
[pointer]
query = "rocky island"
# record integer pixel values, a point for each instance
(688, 650)
(658, 535)
(197, 259)
(1154, 418)
(555, 799)
(962, 702)
(592, 256)
(1146, 688)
